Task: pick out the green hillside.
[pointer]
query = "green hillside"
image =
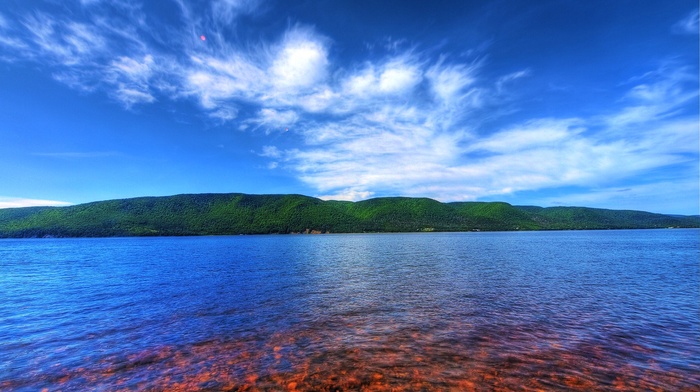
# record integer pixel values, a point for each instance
(582, 218)
(220, 214)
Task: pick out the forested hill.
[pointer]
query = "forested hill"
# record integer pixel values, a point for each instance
(219, 214)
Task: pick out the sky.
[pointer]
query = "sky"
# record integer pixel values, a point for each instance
(547, 103)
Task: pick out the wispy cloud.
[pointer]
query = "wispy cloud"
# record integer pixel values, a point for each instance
(101, 52)
(272, 75)
(658, 95)
(224, 114)
(65, 43)
(687, 25)
(669, 196)
(15, 202)
(228, 10)
(271, 152)
(131, 77)
(271, 119)
(504, 80)
(402, 123)
(7, 40)
(215, 81)
(402, 149)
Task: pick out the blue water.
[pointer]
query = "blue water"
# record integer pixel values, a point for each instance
(430, 311)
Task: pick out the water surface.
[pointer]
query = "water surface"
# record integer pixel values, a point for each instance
(430, 311)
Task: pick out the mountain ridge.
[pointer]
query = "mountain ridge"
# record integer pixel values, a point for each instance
(239, 213)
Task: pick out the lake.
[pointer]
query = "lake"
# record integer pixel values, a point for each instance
(567, 310)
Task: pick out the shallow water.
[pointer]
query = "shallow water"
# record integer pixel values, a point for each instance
(430, 311)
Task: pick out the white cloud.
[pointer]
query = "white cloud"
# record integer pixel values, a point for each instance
(320, 100)
(271, 119)
(224, 114)
(43, 35)
(348, 195)
(83, 39)
(285, 74)
(8, 40)
(217, 80)
(660, 96)
(398, 77)
(448, 82)
(361, 83)
(210, 88)
(130, 96)
(365, 152)
(503, 80)
(66, 43)
(543, 133)
(271, 152)
(132, 79)
(93, 54)
(687, 25)
(227, 10)
(277, 118)
(299, 62)
(16, 202)
(401, 149)
(400, 124)
(138, 71)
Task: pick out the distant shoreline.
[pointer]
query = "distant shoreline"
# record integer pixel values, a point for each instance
(236, 213)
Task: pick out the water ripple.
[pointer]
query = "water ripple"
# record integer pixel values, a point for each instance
(429, 312)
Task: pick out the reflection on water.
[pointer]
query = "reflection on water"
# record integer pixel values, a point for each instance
(429, 312)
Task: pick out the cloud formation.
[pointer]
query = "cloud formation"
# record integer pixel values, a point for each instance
(16, 202)
(689, 24)
(402, 123)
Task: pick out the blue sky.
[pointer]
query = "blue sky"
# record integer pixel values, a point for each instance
(549, 103)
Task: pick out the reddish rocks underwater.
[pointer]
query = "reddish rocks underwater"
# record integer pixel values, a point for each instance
(355, 357)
